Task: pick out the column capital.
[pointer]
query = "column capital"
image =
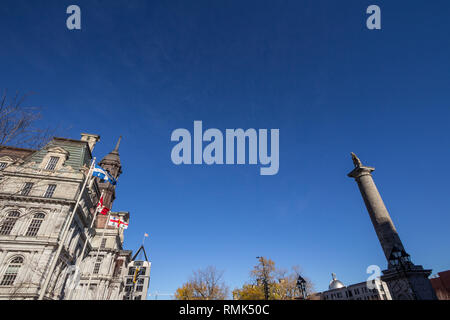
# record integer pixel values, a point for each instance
(360, 171)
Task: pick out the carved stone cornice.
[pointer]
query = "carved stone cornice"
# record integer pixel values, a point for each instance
(17, 197)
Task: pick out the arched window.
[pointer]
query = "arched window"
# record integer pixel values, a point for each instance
(12, 271)
(8, 223)
(35, 224)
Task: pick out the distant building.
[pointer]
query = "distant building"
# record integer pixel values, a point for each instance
(441, 284)
(359, 291)
(137, 278)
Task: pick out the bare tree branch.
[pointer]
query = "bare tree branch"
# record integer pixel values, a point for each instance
(18, 123)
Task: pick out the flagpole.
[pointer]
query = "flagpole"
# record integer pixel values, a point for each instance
(77, 264)
(86, 291)
(64, 235)
(96, 256)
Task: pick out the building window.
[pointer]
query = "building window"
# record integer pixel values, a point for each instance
(27, 188)
(131, 271)
(11, 272)
(139, 288)
(103, 244)
(3, 165)
(51, 165)
(118, 271)
(128, 288)
(97, 265)
(9, 222)
(35, 224)
(50, 190)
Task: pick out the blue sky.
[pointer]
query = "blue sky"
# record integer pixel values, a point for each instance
(142, 69)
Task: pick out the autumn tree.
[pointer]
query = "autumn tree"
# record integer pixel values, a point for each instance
(270, 283)
(205, 284)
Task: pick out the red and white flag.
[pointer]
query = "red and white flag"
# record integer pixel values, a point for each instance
(100, 202)
(117, 222)
(102, 209)
(123, 225)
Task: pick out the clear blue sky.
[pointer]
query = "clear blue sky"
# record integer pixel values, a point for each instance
(143, 68)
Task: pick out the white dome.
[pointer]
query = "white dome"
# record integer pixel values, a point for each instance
(335, 283)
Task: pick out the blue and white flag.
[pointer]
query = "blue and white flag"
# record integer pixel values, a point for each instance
(103, 175)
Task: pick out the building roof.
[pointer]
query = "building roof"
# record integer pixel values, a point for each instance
(335, 283)
(15, 153)
(79, 152)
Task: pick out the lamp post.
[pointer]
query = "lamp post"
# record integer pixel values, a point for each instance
(264, 279)
(301, 285)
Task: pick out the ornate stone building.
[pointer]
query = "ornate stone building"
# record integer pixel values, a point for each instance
(38, 192)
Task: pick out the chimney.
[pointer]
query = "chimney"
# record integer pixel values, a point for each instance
(91, 139)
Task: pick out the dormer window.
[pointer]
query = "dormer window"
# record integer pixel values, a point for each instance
(3, 165)
(51, 165)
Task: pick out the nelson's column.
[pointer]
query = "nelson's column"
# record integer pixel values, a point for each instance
(406, 281)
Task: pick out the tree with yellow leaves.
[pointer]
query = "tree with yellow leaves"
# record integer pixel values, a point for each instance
(269, 283)
(204, 284)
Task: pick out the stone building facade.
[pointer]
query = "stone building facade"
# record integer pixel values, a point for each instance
(38, 192)
(359, 291)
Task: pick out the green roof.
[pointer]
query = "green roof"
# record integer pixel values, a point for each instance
(79, 153)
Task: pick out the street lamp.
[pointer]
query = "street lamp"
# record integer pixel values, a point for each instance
(301, 285)
(399, 258)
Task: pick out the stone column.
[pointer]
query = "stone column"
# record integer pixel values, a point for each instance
(381, 220)
(405, 280)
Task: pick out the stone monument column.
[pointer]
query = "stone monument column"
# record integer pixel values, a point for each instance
(405, 280)
(381, 220)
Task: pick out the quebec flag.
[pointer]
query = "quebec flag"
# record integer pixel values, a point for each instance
(103, 175)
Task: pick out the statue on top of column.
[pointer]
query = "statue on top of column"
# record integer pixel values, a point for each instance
(356, 161)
